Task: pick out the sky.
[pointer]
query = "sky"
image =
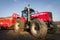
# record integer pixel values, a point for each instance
(8, 7)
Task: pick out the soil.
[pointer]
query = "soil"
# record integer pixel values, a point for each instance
(11, 35)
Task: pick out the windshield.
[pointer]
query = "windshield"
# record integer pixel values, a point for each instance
(25, 15)
(25, 12)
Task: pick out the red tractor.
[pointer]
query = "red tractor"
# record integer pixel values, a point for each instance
(36, 23)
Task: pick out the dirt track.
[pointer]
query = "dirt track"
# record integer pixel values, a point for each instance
(11, 35)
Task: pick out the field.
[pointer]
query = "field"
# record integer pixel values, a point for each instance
(11, 35)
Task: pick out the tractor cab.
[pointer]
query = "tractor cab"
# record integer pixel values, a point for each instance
(27, 12)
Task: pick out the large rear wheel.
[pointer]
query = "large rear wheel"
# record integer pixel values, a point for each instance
(38, 28)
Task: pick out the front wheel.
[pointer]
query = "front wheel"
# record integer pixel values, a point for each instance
(19, 25)
(16, 27)
(38, 28)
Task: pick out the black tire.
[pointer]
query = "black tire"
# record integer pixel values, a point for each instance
(52, 29)
(42, 28)
(19, 25)
(3, 29)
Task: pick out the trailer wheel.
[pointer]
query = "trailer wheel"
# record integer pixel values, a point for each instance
(19, 25)
(38, 28)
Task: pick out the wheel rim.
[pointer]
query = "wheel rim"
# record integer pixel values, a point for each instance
(36, 28)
